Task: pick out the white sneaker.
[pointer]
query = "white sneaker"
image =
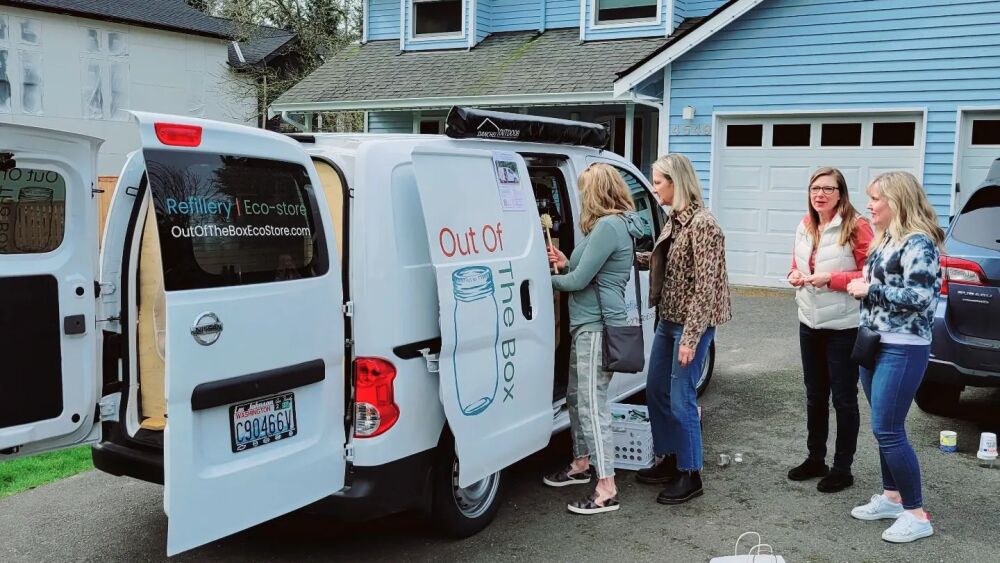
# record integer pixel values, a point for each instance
(907, 528)
(878, 508)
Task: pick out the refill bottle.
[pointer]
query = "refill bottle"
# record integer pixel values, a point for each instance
(476, 361)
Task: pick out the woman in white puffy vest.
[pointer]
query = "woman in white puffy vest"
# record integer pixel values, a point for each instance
(831, 244)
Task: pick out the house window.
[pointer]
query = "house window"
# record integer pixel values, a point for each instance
(744, 135)
(105, 74)
(986, 132)
(437, 17)
(791, 135)
(841, 135)
(431, 126)
(616, 11)
(899, 134)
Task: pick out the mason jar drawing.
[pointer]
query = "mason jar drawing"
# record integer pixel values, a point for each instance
(33, 225)
(476, 360)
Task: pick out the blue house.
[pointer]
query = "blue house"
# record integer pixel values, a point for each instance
(757, 92)
(558, 58)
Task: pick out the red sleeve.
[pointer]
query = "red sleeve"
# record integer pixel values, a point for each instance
(860, 240)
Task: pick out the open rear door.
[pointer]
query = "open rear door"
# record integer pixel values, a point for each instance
(495, 294)
(48, 261)
(254, 332)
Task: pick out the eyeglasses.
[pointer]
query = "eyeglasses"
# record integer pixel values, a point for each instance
(827, 190)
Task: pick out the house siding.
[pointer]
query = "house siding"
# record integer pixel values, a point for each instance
(383, 19)
(519, 15)
(390, 122)
(699, 8)
(654, 29)
(933, 54)
(484, 19)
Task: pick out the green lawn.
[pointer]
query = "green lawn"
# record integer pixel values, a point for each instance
(30, 472)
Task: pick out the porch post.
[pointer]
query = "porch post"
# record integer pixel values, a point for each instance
(629, 129)
(416, 121)
(309, 121)
(663, 130)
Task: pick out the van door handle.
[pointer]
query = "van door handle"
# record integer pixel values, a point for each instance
(526, 299)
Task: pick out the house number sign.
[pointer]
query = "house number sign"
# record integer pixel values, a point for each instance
(696, 129)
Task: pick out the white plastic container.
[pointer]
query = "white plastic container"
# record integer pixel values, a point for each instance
(633, 436)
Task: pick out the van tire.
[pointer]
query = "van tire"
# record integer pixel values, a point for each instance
(453, 517)
(938, 398)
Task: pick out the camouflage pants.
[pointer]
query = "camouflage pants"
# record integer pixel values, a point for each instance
(587, 399)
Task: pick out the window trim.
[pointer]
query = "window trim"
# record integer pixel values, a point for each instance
(414, 38)
(972, 129)
(622, 24)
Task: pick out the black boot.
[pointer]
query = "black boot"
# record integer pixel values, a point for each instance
(662, 472)
(683, 488)
(808, 469)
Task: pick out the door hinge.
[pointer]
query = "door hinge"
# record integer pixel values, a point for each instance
(432, 360)
(109, 406)
(349, 452)
(104, 288)
(348, 309)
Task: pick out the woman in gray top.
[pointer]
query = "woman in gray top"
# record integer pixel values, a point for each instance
(601, 262)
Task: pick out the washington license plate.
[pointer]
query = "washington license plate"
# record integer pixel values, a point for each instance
(262, 421)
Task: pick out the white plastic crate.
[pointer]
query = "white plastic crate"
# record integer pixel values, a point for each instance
(633, 436)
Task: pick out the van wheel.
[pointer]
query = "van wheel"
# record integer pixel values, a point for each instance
(706, 372)
(462, 512)
(938, 398)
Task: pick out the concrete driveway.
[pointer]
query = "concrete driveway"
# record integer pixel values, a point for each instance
(754, 406)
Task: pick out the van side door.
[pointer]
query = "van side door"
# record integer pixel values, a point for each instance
(494, 290)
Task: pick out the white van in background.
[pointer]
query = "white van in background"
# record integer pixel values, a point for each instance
(362, 320)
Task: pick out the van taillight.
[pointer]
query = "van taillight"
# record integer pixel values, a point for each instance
(957, 270)
(375, 409)
(177, 135)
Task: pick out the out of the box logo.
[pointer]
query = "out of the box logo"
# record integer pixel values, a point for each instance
(207, 328)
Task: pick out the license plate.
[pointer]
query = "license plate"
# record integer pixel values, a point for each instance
(262, 421)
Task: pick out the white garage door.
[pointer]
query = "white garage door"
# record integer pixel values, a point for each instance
(980, 146)
(762, 170)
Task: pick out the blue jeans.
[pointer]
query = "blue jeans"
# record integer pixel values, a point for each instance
(671, 394)
(899, 369)
(827, 370)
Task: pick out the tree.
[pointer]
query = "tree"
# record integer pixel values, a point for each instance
(321, 28)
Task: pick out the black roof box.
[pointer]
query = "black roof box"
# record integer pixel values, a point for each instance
(468, 123)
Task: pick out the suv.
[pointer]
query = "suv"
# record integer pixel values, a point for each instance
(966, 344)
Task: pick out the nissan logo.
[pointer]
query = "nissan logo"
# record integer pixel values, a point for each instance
(207, 328)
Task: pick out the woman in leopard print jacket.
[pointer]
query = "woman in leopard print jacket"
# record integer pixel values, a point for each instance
(689, 284)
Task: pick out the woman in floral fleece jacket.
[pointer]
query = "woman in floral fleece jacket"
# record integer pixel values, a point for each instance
(899, 289)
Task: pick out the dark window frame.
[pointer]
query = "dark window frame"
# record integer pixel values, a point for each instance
(992, 135)
(774, 135)
(636, 14)
(835, 141)
(414, 24)
(732, 127)
(876, 125)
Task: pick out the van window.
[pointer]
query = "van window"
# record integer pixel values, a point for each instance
(233, 220)
(646, 206)
(32, 210)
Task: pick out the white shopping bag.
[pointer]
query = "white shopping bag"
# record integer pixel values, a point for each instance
(761, 552)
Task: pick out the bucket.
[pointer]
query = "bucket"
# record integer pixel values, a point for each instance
(987, 446)
(949, 441)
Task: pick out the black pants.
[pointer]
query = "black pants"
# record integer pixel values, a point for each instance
(827, 368)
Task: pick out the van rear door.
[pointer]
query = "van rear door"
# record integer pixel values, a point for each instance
(495, 294)
(254, 331)
(48, 310)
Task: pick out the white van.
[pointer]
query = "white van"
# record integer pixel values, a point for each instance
(364, 320)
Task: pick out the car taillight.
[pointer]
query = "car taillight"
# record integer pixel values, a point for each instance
(375, 409)
(177, 135)
(958, 270)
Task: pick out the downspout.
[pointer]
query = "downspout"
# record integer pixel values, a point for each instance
(541, 24)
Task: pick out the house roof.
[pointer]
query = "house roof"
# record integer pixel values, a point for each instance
(171, 15)
(503, 64)
(265, 44)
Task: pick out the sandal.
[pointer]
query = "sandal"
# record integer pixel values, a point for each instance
(589, 505)
(564, 478)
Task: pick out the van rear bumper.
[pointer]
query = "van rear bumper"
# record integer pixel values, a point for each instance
(120, 460)
(380, 490)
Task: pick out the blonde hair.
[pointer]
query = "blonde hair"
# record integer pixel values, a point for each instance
(849, 216)
(602, 192)
(687, 189)
(911, 212)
